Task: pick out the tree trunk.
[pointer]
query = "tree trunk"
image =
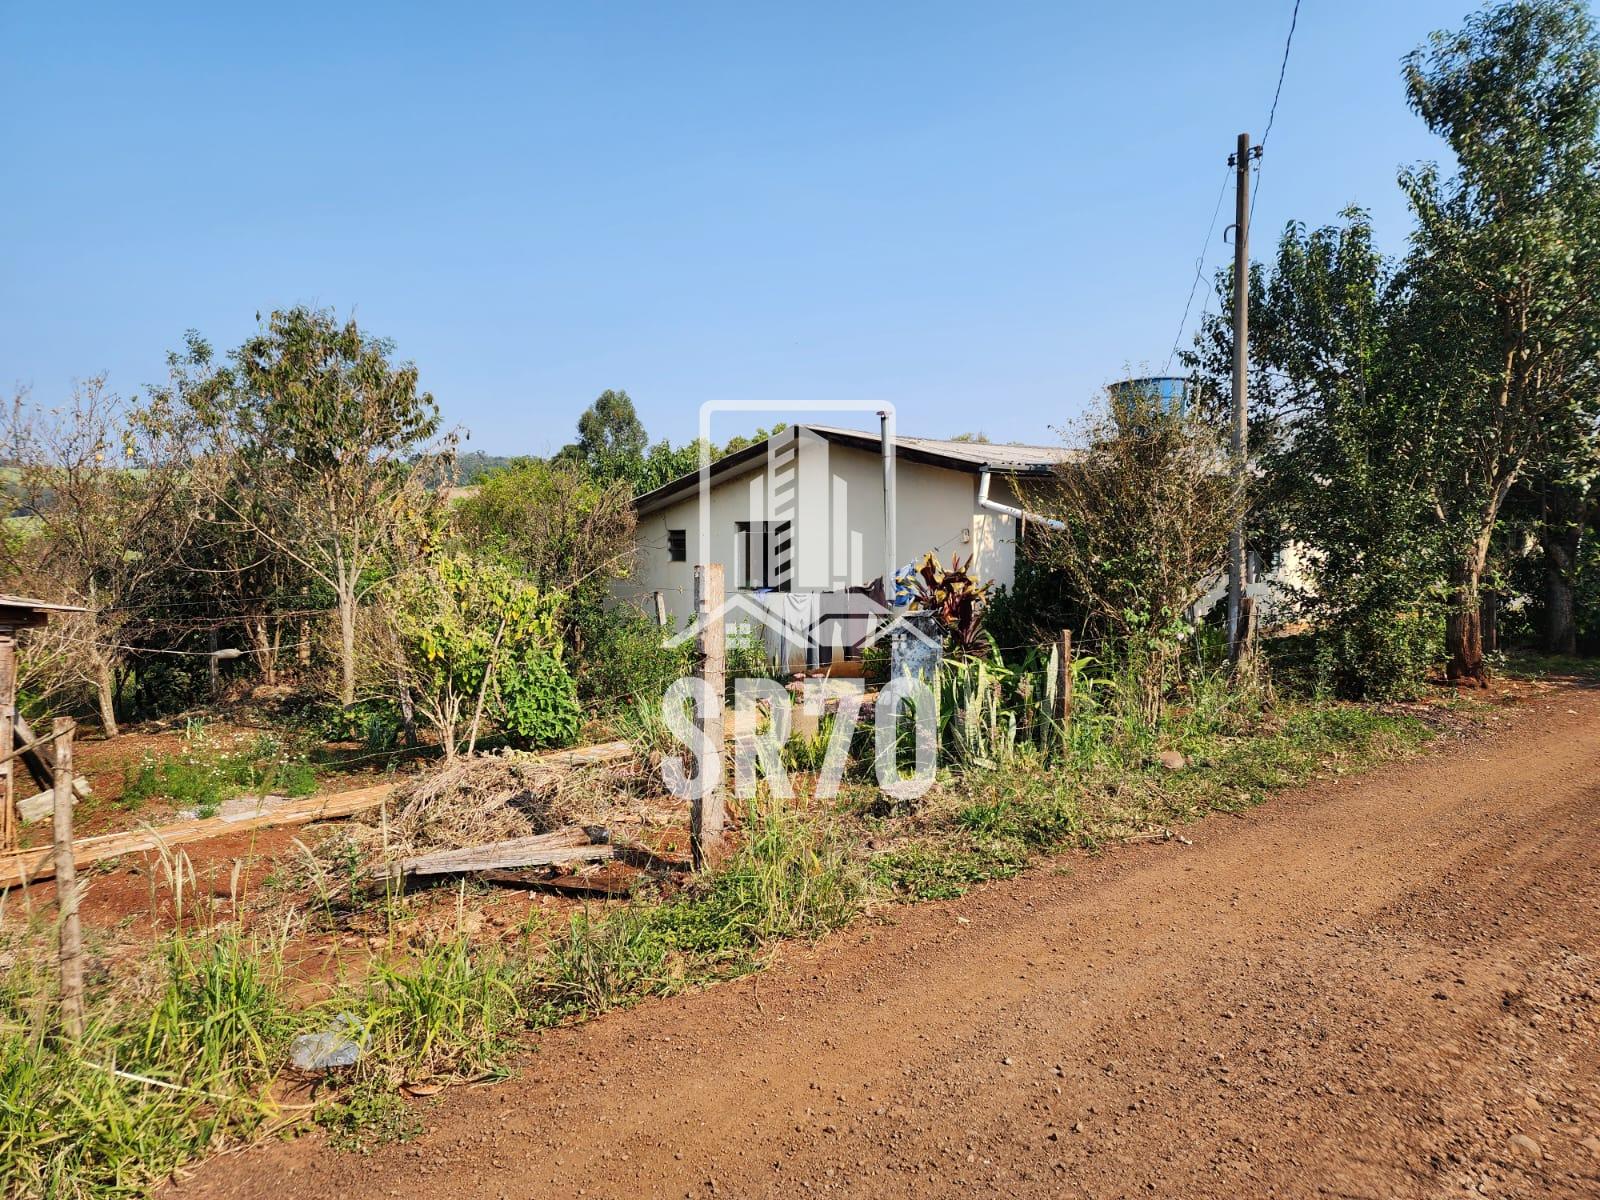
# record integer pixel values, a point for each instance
(347, 648)
(265, 646)
(106, 692)
(1559, 535)
(1463, 631)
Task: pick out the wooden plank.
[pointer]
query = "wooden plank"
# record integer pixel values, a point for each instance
(571, 844)
(33, 865)
(39, 763)
(561, 885)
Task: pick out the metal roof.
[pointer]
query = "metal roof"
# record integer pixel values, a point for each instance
(1003, 458)
(997, 456)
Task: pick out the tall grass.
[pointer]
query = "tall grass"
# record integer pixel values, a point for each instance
(148, 1087)
(791, 876)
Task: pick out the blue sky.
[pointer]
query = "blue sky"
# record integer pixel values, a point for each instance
(980, 213)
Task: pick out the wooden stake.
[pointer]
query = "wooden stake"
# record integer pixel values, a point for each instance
(661, 609)
(1064, 678)
(1245, 636)
(707, 810)
(71, 937)
(8, 713)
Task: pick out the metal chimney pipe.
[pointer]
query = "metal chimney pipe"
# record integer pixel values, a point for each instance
(886, 448)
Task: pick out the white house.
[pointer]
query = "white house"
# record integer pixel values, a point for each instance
(798, 522)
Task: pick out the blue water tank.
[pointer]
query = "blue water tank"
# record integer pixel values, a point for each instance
(1168, 393)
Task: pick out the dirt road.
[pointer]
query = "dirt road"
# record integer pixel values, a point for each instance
(1382, 987)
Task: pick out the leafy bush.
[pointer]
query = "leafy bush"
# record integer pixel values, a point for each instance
(375, 723)
(621, 658)
(1377, 655)
(460, 629)
(538, 701)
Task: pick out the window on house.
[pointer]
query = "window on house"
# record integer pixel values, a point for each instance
(677, 545)
(765, 551)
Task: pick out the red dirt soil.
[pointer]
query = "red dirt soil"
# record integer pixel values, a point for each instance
(1385, 986)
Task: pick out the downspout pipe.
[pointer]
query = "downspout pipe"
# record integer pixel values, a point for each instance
(1008, 510)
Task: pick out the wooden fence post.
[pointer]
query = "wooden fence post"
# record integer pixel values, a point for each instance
(1245, 634)
(661, 608)
(707, 810)
(1064, 678)
(71, 937)
(8, 715)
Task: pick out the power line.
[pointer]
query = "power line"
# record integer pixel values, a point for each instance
(1272, 113)
(1199, 269)
(1283, 66)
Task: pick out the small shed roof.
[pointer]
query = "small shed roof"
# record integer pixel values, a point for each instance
(21, 612)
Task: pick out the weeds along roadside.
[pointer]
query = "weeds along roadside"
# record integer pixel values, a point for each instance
(187, 1057)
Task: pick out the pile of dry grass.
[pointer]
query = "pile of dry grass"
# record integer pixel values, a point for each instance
(472, 801)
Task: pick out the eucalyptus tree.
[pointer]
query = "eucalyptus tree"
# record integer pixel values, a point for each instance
(1498, 335)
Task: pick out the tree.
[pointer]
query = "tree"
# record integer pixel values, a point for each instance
(1146, 504)
(611, 438)
(105, 490)
(1499, 327)
(471, 639)
(1338, 471)
(560, 527)
(330, 453)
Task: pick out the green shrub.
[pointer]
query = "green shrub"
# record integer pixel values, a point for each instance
(538, 701)
(375, 723)
(622, 660)
(1377, 655)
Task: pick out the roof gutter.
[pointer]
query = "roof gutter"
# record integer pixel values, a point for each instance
(1008, 510)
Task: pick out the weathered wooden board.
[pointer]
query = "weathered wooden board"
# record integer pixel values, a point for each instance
(31, 865)
(571, 844)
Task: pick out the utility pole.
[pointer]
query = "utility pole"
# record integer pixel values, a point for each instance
(1237, 578)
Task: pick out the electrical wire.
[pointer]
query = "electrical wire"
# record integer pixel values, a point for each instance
(1255, 191)
(1199, 270)
(1272, 113)
(1283, 67)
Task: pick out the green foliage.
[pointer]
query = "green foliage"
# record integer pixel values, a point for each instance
(320, 447)
(368, 1114)
(977, 727)
(537, 701)
(561, 527)
(611, 438)
(748, 657)
(957, 598)
(1378, 655)
(375, 723)
(205, 774)
(1378, 552)
(789, 878)
(448, 1012)
(196, 1065)
(466, 629)
(625, 658)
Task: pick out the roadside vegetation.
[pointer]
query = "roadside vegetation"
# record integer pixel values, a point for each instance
(273, 552)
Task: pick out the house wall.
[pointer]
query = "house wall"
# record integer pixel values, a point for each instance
(835, 505)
